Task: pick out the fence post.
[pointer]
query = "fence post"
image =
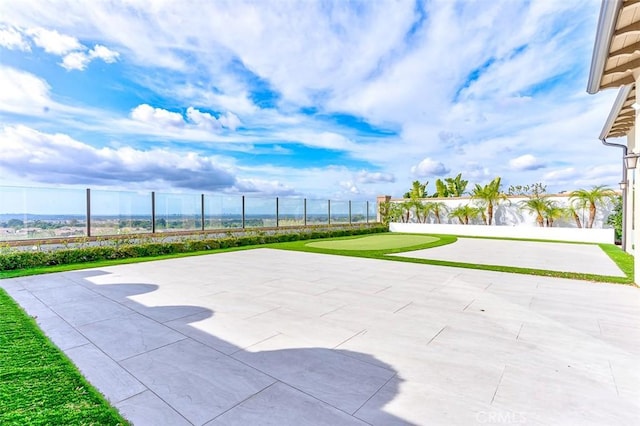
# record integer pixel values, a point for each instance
(202, 212)
(277, 212)
(349, 212)
(329, 211)
(88, 212)
(304, 211)
(153, 212)
(367, 211)
(243, 222)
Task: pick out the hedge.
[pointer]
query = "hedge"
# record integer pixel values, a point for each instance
(34, 259)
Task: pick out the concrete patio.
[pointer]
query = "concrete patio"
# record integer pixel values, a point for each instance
(288, 338)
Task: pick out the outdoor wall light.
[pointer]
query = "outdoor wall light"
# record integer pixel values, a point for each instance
(635, 106)
(623, 185)
(631, 160)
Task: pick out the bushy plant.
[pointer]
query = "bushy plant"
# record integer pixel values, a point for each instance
(12, 260)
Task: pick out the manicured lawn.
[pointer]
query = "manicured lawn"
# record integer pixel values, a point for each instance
(622, 259)
(38, 384)
(375, 242)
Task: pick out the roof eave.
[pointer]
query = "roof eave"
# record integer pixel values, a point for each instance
(606, 27)
(623, 94)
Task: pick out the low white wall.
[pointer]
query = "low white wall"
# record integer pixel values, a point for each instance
(509, 213)
(557, 234)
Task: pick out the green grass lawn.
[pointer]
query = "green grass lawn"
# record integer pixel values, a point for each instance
(375, 242)
(358, 247)
(38, 383)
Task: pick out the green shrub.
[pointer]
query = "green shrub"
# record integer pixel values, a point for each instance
(125, 249)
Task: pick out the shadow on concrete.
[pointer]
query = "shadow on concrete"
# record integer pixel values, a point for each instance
(157, 367)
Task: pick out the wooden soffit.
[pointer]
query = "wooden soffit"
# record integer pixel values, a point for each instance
(622, 116)
(616, 53)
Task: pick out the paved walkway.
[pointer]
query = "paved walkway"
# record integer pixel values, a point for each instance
(288, 338)
(563, 257)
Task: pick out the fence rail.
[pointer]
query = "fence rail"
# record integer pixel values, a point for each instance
(41, 213)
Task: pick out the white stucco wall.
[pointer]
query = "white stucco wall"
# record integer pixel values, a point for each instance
(526, 232)
(508, 213)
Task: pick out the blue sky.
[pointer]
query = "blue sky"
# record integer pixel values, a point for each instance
(323, 99)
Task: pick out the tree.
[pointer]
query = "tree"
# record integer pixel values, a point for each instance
(536, 205)
(418, 190)
(615, 218)
(456, 186)
(421, 210)
(553, 212)
(489, 195)
(572, 211)
(438, 208)
(535, 189)
(405, 208)
(441, 189)
(464, 213)
(598, 194)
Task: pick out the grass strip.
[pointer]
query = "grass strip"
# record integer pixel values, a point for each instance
(375, 242)
(622, 259)
(38, 383)
(112, 262)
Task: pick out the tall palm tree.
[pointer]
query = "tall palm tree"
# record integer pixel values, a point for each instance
(537, 206)
(490, 195)
(599, 194)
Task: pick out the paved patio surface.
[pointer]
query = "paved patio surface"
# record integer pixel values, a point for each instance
(288, 338)
(563, 257)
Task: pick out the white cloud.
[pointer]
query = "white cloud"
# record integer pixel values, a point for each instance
(350, 187)
(22, 92)
(202, 119)
(54, 42)
(75, 61)
(262, 187)
(364, 176)
(526, 162)
(230, 121)
(157, 116)
(60, 159)
(104, 53)
(429, 167)
(79, 60)
(195, 119)
(12, 39)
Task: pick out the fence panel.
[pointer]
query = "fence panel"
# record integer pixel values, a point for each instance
(118, 212)
(178, 212)
(37, 213)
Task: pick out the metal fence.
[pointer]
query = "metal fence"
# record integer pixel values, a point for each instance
(40, 213)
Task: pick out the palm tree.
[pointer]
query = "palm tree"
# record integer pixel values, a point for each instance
(421, 210)
(552, 212)
(572, 211)
(489, 195)
(464, 213)
(405, 208)
(590, 197)
(536, 205)
(437, 208)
